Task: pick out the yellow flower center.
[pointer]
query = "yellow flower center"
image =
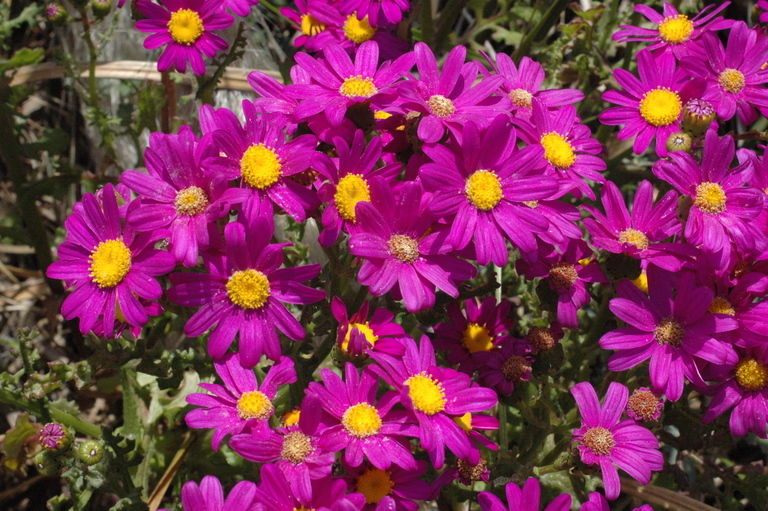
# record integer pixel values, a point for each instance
(669, 331)
(483, 189)
(291, 417)
(641, 282)
(375, 484)
(676, 29)
(352, 188)
(426, 393)
(381, 115)
(363, 328)
(732, 80)
(254, 405)
(358, 87)
(249, 289)
(296, 447)
(362, 420)
(563, 275)
(634, 237)
(358, 31)
(477, 338)
(515, 367)
(404, 248)
(110, 263)
(710, 197)
(720, 305)
(261, 166)
(464, 422)
(660, 106)
(599, 440)
(533, 204)
(557, 150)
(751, 374)
(521, 98)
(190, 201)
(441, 106)
(311, 26)
(185, 26)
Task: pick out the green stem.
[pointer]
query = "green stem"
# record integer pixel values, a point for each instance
(447, 21)
(427, 23)
(205, 92)
(270, 7)
(540, 30)
(76, 423)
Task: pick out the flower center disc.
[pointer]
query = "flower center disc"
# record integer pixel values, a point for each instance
(669, 331)
(426, 393)
(721, 305)
(751, 374)
(190, 201)
(375, 484)
(634, 237)
(352, 188)
(515, 367)
(541, 337)
(676, 29)
(557, 150)
(110, 263)
(732, 80)
(254, 405)
(441, 106)
(710, 197)
(311, 26)
(404, 248)
(477, 338)
(660, 106)
(363, 328)
(521, 98)
(261, 166)
(483, 189)
(563, 275)
(358, 31)
(358, 87)
(599, 440)
(644, 404)
(362, 420)
(249, 289)
(185, 26)
(296, 447)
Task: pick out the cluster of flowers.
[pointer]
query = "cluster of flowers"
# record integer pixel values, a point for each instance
(421, 175)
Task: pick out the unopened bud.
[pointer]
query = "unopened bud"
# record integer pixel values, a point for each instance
(679, 141)
(101, 8)
(697, 117)
(55, 438)
(90, 452)
(56, 14)
(46, 463)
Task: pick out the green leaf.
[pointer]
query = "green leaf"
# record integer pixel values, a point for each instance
(13, 443)
(22, 57)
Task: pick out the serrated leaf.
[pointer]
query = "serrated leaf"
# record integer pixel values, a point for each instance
(13, 443)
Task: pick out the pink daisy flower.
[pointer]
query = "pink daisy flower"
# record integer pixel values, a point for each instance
(110, 266)
(395, 489)
(526, 499)
(609, 442)
(597, 502)
(244, 292)
(185, 28)
(380, 12)
(241, 402)
(507, 365)
(275, 493)
(356, 335)
(312, 19)
(209, 496)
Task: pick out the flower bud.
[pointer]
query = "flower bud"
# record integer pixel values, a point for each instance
(90, 452)
(56, 14)
(679, 141)
(56, 438)
(101, 8)
(697, 116)
(46, 463)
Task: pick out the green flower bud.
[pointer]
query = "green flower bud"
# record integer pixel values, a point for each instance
(679, 141)
(90, 452)
(697, 116)
(56, 13)
(56, 438)
(46, 463)
(101, 8)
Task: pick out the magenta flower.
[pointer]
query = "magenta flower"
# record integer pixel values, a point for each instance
(338, 83)
(675, 33)
(437, 397)
(360, 424)
(597, 502)
(570, 155)
(275, 493)
(357, 334)
(393, 239)
(239, 404)
(651, 106)
(472, 335)
(723, 208)
(243, 293)
(734, 76)
(313, 19)
(485, 184)
(348, 175)
(527, 499)
(380, 12)
(522, 83)
(395, 489)
(449, 99)
(260, 157)
(763, 5)
(644, 405)
(179, 194)
(672, 327)
(110, 266)
(606, 442)
(640, 233)
(507, 365)
(241, 7)
(186, 28)
(55, 437)
(209, 496)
